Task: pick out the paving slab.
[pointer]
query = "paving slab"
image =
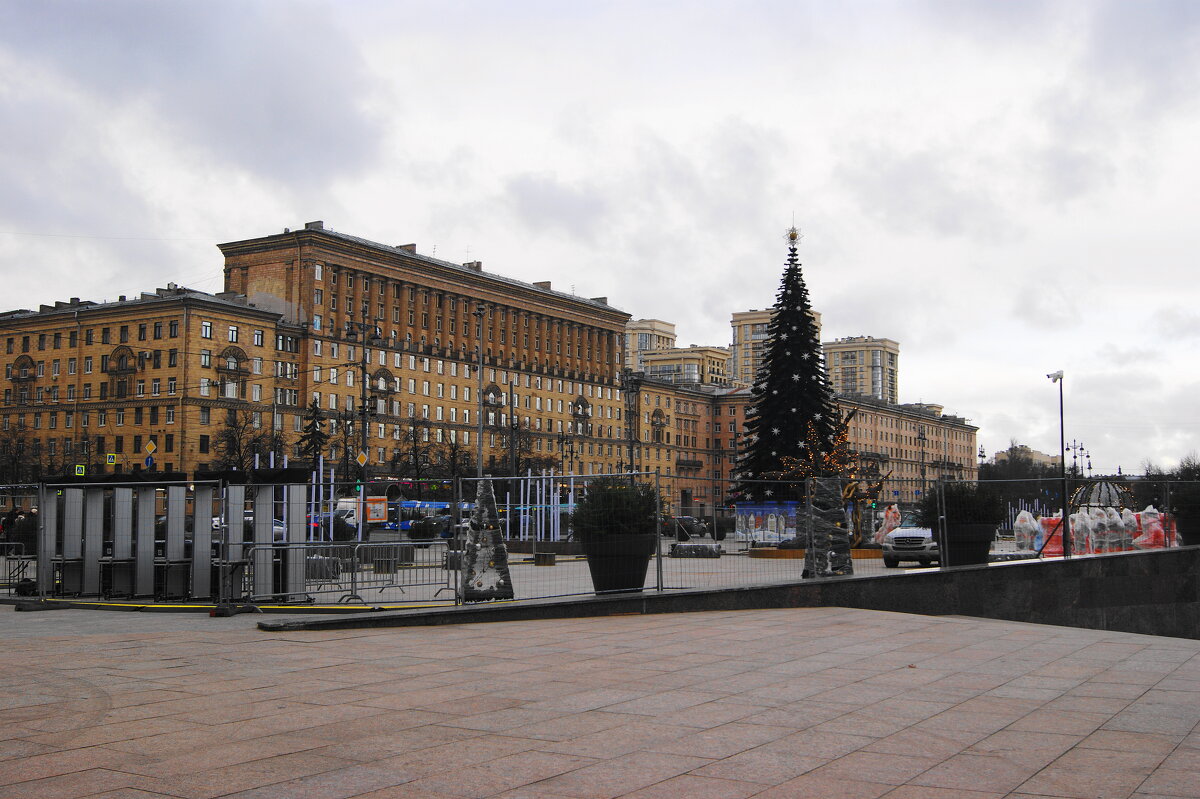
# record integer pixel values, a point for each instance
(748, 703)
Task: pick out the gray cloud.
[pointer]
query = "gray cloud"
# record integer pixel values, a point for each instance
(278, 95)
(543, 202)
(922, 191)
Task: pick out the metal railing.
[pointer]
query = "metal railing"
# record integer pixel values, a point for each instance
(351, 572)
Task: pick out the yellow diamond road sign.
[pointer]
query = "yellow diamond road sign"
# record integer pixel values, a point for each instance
(361, 460)
(151, 447)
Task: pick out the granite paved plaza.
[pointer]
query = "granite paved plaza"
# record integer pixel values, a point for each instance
(821, 702)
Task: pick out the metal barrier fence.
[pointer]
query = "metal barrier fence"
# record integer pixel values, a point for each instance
(230, 542)
(352, 572)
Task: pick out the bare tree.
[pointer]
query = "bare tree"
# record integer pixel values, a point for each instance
(419, 453)
(244, 436)
(16, 461)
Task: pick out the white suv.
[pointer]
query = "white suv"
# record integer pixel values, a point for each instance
(909, 541)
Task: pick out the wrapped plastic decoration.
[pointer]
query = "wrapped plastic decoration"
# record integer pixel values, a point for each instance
(1025, 530)
(1104, 535)
(1116, 527)
(1131, 528)
(1081, 532)
(1153, 535)
(1051, 537)
(891, 520)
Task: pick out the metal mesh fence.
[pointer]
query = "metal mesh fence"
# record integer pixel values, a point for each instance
(305, 543)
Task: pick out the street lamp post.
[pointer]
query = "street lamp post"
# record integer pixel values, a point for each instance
(369, 331)
(479, 312)
(631, 382)
(1078, 451)
(1057, 377)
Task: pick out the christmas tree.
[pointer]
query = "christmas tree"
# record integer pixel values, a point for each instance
(793, 431)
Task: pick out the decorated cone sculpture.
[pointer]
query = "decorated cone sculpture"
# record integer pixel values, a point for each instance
(485, 561)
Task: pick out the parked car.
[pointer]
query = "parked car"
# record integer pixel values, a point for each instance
(909, 541)
(278, 528)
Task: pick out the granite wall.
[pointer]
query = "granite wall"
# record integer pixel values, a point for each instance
(1154, 592)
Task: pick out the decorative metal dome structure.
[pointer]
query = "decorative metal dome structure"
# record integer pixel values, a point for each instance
(1101, 494)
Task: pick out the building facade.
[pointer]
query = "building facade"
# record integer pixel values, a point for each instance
(689, 365)
(437, 341)
(405, 356)
(908, 446)
(646, 335)
(139, 383)
(864, 366)
(748, 343)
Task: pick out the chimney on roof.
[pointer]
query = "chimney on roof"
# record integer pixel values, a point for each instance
(317, 225)
(476, 266)
(544, 284)
(121, 298)
(408, 247)
(601, 300)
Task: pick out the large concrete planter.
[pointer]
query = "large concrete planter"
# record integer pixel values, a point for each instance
(619, 563)
(968, 543)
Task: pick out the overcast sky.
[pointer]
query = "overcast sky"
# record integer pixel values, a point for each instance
(1005, 188)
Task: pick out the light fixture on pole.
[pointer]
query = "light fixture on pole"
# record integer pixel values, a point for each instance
(1057, 377)
(479, 312)
(369, 331)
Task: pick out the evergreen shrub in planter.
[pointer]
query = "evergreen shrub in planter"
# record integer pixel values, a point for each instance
(973, 512)
(615, 522)
(1185, 502)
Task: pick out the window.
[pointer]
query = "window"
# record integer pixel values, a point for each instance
(204, 391)
(206, 330)
(203, 443)
(141, 388)
(155, 387)
(124, 334)
(158, 330)
(170, 416)
(206, 357)
(172, 358)
(170, 385)
(142, 330)
(71, 366)
(233, 334)
(173, 328)
(317, 271)
(258, 338)
(206, 416)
